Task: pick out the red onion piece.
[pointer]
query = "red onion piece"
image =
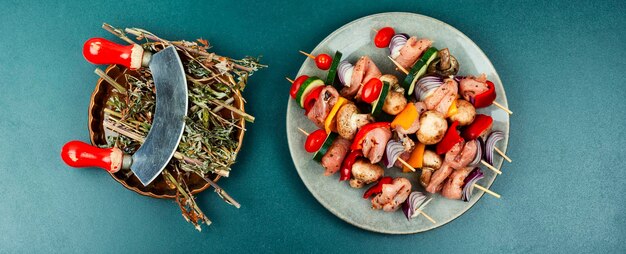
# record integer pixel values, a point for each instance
(469, 181)
(385, 160)
(344, 71)
(397, 42)
(479, 153)
(392, 152)
(412, 203)
(458, 78)
(425, 85)
(490, 144)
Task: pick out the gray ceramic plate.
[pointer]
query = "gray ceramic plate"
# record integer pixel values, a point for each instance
(355, 40)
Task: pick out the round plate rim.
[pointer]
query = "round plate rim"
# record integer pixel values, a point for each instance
(329, 207)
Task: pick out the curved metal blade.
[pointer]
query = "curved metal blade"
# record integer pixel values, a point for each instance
(169, 116)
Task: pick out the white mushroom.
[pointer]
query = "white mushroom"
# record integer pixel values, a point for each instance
(395, 102)
(349, 121)
(364, 173)
(432, 160)
(465, 113)
(425, 176)
(433, 126)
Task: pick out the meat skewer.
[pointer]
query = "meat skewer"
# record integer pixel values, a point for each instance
(318, 122)
(406, 72)
(399, 159)
(480, 91)
(458, 163)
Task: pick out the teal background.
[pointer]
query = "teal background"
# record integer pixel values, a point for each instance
(561, 62)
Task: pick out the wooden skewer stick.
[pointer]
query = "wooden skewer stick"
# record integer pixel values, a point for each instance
(307, 54)
(290, 80)
(399, 66)
(400, 160)
(419, 210)
(487, 191)
(406, 164)
(503, 108)
(501, 153)
(303, 132)
(426, 216)
(494, 169)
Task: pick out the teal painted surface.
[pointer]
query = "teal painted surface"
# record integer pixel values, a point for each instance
(560, 61)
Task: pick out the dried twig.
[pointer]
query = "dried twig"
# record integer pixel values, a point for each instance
(221, 192)
(110, 80)
(198, 214)
(140, 33)
(118, 33)
(234, 110)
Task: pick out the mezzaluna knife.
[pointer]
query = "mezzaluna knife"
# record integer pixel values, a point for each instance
(169, 115)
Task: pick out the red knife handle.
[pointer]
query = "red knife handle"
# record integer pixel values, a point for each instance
(79, 154)
(103, 51)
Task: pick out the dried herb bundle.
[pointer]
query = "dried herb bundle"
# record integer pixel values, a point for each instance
(209, 142)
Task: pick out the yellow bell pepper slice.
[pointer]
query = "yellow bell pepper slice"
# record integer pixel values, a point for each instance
(330, 124)
(416, 159)
(452, 110)
(406, 117)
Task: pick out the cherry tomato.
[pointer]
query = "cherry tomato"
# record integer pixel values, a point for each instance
(315, 141)
(371, 90)
(311, 98)
(383, 37)
(323, 61)
(296, 85)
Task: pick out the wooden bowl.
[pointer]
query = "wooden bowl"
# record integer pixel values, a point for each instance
(158, 188)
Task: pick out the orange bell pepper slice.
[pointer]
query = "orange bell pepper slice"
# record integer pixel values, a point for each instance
(452, 110)
(330, 124)
(406, 117)
(416, 159)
